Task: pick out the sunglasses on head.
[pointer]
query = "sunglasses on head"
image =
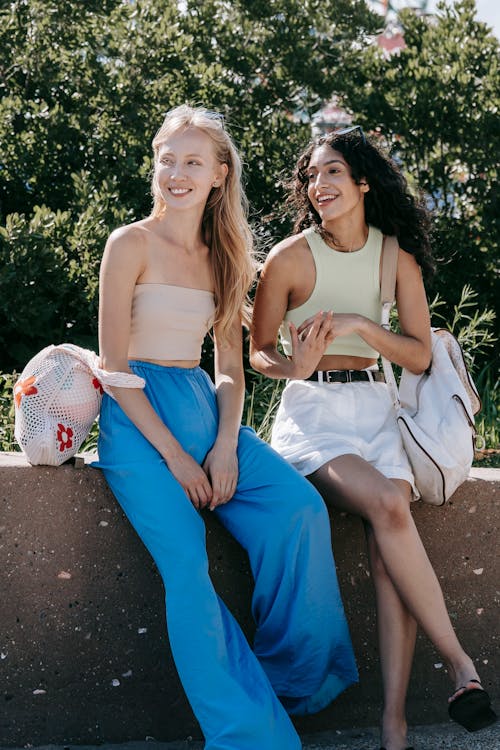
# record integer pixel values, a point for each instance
(352, 129)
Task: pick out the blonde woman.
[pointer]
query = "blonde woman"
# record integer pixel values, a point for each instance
(177, 447)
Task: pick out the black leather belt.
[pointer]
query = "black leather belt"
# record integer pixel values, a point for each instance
(346, 376)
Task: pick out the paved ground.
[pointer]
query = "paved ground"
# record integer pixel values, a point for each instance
(436, 737)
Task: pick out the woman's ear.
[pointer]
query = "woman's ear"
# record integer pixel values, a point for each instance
(364, 185)
(220, 176)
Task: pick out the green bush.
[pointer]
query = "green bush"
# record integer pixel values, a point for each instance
(49, 276)
(261, 403)
(7, 441)
(85, 85)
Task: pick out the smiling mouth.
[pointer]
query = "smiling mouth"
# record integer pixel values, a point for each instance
(179, 191)
(325, 199)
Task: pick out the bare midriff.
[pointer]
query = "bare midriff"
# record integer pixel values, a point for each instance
(342, 362)
(185, 363)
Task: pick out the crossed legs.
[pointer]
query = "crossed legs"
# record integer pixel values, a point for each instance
(397, 631)
(407, 589)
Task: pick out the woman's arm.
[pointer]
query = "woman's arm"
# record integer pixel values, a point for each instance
(412, 347)
(281, 276)
(122, 265)
(221, 463)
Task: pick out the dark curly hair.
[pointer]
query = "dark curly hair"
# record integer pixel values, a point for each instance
(389, 204)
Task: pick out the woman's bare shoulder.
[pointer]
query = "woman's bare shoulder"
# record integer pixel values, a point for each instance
(126, 250)
(290, 250)
(134, 234)
(128, 244)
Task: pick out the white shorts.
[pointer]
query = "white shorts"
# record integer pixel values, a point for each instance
(316, 422)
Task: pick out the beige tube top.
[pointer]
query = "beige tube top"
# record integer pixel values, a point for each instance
(169, 322)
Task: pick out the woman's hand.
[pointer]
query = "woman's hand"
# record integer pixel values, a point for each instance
(340, 324)
(221, 467)
(309, 342)
(192, 477)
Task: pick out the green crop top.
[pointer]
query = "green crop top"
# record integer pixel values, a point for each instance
(345, 283)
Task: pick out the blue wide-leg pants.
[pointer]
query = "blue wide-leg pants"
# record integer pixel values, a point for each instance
(302, 650)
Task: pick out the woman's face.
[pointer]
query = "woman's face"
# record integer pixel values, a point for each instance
(331, 189)
(187, 169)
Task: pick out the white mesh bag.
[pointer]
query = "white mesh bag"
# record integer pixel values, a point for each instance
(57, 398)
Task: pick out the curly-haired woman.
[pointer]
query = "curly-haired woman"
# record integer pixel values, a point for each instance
(320, 291)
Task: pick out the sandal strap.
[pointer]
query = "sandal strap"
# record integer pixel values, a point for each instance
(465, 688)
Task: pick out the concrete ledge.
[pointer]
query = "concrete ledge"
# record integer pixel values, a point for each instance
(448, 736)
(84, 655)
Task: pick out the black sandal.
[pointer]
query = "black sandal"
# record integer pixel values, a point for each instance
(472, 708)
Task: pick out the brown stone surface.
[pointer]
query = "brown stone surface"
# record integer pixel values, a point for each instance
(84, 655)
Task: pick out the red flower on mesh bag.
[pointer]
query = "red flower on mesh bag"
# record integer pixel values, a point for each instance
(24, 388)
(97, 385)
(64, 437)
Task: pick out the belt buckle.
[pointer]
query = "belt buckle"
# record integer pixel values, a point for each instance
(344, 376)
(338, 376)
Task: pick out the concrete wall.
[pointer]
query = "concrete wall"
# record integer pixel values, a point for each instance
(84, 656)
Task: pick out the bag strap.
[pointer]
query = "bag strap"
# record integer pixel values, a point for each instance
(89, 359)
(390, 251)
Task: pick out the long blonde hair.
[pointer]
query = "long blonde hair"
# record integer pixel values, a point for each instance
(225, 225)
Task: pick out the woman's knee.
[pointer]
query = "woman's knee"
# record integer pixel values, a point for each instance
(183, 567)
(304, 512)
(175, 538)
(300, 513)
(390, 507)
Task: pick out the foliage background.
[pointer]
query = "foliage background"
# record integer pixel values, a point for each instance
(84, 87)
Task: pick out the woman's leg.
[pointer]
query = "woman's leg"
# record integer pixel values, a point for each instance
(302, 638)
(351, 484)
(229, 692)
(397, 632)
